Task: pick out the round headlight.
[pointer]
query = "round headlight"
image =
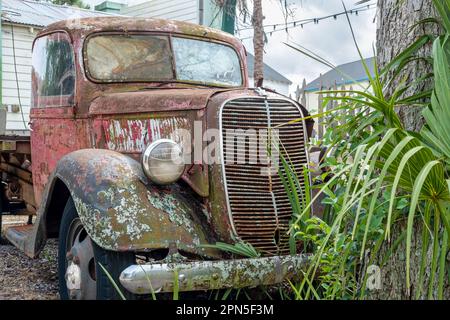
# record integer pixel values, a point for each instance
(163, 161)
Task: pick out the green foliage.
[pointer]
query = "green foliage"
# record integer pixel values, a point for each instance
(73, 3)
(240, 248)
(382, 175)
(437, 130)
(110, 278)
(333, 280)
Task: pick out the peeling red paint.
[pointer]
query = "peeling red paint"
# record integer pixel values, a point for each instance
(54, 134)
(134, 135)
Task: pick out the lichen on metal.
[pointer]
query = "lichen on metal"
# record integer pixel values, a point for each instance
(122, 210)
(209, 275)
(175, 210)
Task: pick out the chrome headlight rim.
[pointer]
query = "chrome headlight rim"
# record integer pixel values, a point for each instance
(153, 176)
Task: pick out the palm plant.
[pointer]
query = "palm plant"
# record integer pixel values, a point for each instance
(386, 175)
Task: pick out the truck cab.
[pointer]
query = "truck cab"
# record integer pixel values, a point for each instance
(147, 148)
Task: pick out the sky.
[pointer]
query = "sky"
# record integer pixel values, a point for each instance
(331, 39)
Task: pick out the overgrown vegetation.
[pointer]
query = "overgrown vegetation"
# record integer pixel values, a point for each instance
(382, 177)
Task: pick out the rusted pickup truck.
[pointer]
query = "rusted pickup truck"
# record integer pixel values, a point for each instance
(131, 166)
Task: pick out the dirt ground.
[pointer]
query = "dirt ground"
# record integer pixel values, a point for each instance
(25, 278)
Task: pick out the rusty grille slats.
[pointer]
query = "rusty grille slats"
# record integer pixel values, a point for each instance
(251, 204)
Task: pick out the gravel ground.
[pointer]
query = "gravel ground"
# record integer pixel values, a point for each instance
(25, 278)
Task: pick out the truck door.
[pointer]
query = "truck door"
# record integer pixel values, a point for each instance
(52, 115)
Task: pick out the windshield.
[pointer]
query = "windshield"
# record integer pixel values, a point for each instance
(128, 58)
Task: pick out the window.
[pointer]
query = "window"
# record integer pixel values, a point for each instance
(206, 62)
(53, 71)
(140, 57)
(130, 58)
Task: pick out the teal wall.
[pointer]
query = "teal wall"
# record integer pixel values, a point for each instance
(220, 18)
(109, 6)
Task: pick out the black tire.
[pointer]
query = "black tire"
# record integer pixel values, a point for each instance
(1, 225)
(113, 262)
(3, 241)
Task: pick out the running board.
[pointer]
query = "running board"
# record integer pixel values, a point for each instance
(21, 212)
(18, 235)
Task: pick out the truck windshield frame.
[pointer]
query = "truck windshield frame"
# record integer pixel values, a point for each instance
(170, 61)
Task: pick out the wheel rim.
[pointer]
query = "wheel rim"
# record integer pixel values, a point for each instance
(80, 266)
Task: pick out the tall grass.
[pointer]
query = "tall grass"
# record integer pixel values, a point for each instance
(384, 175)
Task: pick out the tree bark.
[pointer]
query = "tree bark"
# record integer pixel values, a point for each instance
(258, 42)
(393, 273)
(393, 36)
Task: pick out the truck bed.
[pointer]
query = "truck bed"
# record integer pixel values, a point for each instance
(15, 171)
(15, 143)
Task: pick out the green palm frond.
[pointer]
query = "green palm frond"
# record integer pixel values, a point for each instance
(437, 130)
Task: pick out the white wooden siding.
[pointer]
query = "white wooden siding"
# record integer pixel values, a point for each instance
(23, 40)
(183, 10)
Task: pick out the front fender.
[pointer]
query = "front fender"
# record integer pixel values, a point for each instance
(121, 210)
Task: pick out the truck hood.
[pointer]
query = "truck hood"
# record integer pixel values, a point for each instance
(152, 100)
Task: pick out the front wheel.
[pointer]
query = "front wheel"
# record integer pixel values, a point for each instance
(80, 274)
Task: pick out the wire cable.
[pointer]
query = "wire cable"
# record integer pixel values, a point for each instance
(301, 23)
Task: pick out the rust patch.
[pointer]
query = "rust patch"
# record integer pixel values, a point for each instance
(134, 135)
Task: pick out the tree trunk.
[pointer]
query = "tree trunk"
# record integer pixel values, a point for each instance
(393, 273)
(393, 36)
(258, 42)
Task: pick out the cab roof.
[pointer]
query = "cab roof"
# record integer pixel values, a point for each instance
(85, 26)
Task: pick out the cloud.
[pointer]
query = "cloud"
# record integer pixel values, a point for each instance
(330, 38)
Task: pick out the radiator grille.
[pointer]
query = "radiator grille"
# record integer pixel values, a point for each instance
(258, 204)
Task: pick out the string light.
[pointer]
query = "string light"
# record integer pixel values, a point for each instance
(294, 24)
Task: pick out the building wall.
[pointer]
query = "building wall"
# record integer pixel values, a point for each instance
(183, 10)
(280, 87)
(23, 40)
(312, 98)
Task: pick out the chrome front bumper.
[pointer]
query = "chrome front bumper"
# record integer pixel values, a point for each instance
(207, 275)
